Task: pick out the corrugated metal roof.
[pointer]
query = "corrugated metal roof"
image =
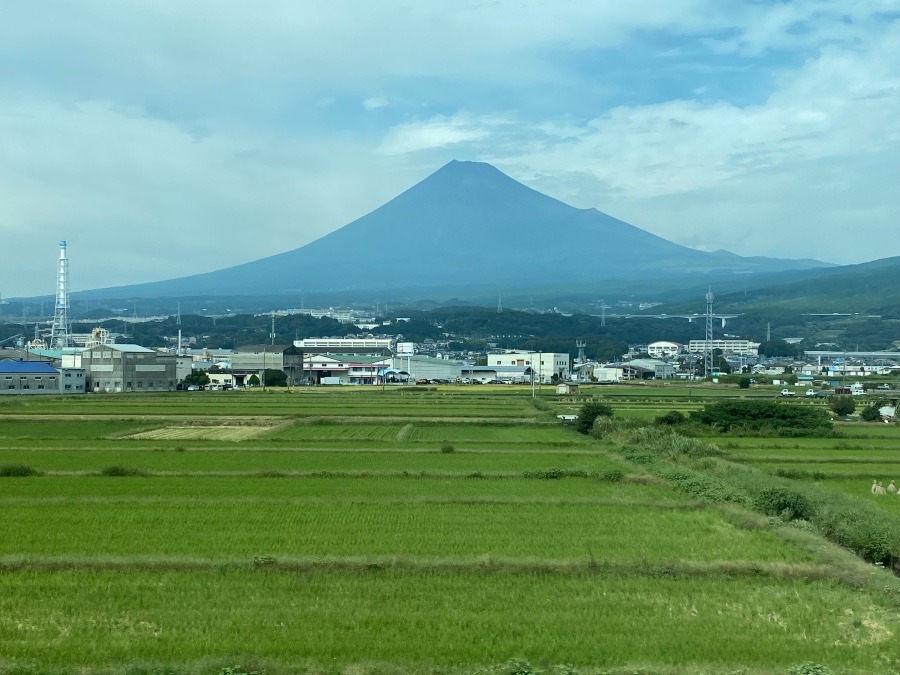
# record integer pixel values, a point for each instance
(123, 348)
(34, 367)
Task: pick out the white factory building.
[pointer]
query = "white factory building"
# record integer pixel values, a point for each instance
(663, 349)
(745, 347)
(544, 364)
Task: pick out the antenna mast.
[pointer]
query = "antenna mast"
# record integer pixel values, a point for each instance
(59, 332)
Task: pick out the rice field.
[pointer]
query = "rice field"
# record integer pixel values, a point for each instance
(454, 530)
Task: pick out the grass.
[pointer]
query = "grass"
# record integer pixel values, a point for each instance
(288, 460)
(231, 529)
(325, 531)
(336, 621)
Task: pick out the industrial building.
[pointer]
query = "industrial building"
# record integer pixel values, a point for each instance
(745, 347)
(428, 368)
(115, 368)
(345, 345)
(504, 374)
(254, 359)
(546, 365)
(39, 377)
(663, 349)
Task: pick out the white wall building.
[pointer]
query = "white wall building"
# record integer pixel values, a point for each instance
(344, 345)
(544, 364)
(745, 347)
(664, 349)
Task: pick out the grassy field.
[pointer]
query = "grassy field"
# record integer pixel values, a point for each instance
(454, 530)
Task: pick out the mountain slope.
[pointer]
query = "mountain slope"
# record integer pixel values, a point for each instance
(466, 224)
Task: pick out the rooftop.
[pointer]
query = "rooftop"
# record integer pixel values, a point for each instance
(32, 367)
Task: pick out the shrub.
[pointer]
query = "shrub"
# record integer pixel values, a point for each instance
(517, 667)
(17, 471)
(870, 413)
(672, 417)
(842, 405)
(744, 383)
(447, 447)
(118, 471)
(764, 416)
(809, 668)
(613, 475)
(589, 412)
(782, 501)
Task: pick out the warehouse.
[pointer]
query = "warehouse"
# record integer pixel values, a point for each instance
(116, 368)
(254, 359)
(39, 377)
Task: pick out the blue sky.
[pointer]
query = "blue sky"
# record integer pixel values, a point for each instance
(163, 138)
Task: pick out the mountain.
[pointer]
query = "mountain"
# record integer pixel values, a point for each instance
(468, 224)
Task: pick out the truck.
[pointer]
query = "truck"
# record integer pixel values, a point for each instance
(788, 392)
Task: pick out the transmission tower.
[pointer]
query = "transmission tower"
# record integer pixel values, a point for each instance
(500, 302)
(59, 332)
(708, 360)
(581, 344)
(603, 308)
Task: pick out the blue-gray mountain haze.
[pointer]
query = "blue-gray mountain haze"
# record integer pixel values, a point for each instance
(468, 224)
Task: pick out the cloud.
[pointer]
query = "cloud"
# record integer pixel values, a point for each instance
(376, 102)
(147, 132)
(437, 132)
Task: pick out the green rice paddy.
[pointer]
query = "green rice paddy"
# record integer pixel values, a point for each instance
(453, 530)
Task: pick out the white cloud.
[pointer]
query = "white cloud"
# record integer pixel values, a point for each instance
(143, 132)
(376, 102)
(140, 199)
(438, 132)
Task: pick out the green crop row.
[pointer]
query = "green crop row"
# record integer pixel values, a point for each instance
(298, 460)
(425, 623)
(240, 529)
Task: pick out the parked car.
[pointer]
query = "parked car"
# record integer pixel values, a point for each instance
(788, 392)
(810, 393)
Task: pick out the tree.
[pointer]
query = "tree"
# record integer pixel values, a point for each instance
(744, 383)
(871, 413)
(253, 380)
(275, 378)
(589, 412)
(842, 405)
(779, 348)
(197, 378)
